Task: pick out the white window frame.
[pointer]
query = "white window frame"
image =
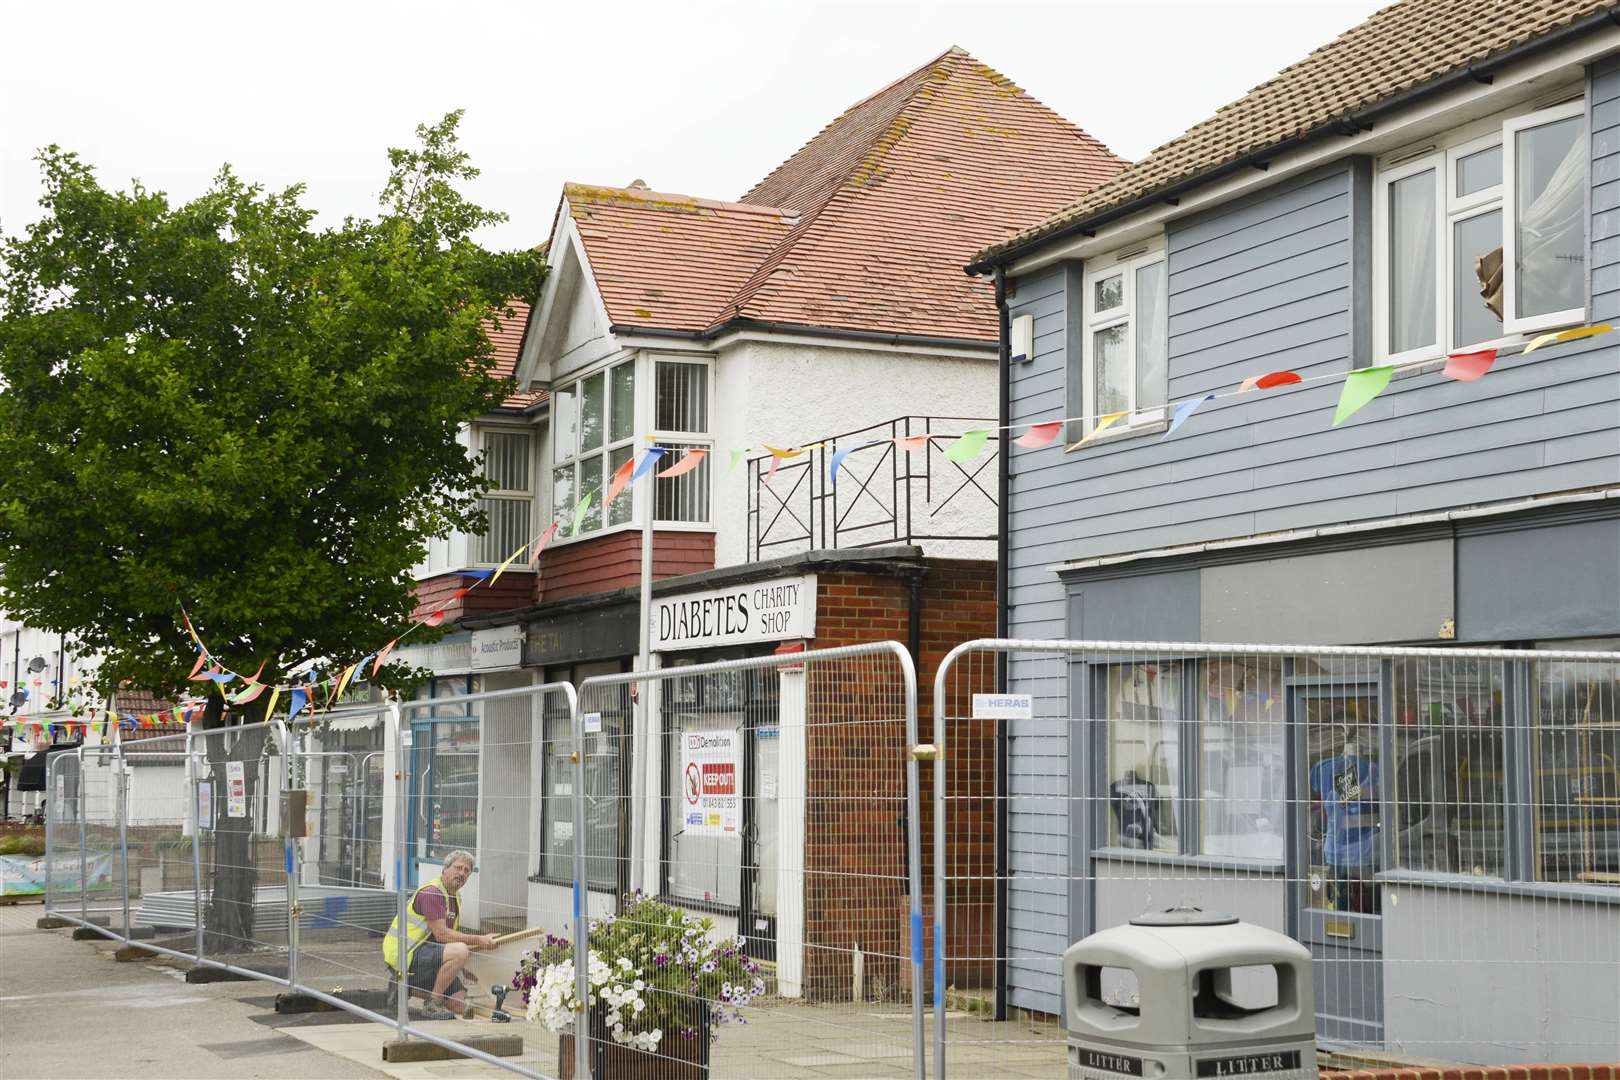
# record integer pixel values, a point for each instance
(1510, 130)
(696, 440)
(573, 460)
(1098, 269)
(1442, 157)
(508, 494)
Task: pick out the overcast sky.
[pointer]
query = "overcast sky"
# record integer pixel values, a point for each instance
(696, 98)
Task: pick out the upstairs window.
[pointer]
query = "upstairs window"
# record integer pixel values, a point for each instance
(509, 502)
(681, 423)
(1480, 240)
(1123, 366)
(593, 425)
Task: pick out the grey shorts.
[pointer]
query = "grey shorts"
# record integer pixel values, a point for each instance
(425, 964)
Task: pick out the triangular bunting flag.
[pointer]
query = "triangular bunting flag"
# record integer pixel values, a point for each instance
(1360, 387)
(1184, 410)
(968, 446)
(1103, 424)
(1039, 435)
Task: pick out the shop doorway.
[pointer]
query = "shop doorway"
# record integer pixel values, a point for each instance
(1337, 852)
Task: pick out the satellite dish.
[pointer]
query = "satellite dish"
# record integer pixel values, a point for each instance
(37, 664)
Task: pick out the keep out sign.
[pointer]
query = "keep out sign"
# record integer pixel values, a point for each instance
(710, 789)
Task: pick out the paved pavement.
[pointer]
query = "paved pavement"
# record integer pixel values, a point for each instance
(67, 1010)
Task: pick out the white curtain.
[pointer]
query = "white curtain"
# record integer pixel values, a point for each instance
(1549, 259)
(1412, 262)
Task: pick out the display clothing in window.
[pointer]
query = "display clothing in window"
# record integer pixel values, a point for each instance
(1345, 788)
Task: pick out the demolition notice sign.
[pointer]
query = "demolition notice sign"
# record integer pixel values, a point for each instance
(710, 787)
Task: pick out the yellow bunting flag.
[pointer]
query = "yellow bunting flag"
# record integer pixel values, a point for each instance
(1566, 335)
(343, 681)
(1102, 425)
(510, 559)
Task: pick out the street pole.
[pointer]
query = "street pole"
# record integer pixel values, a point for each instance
(641, 740)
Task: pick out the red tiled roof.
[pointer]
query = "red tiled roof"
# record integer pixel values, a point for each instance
(1398, 47)
(506, 335)
(865, 228)
(140, 702)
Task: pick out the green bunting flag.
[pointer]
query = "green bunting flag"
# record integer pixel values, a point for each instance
(1361, 387)
(968, 446)
(579, 513)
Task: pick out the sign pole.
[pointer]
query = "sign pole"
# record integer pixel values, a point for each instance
(642, 741)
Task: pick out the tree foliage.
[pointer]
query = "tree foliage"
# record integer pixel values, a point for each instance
(220, 404)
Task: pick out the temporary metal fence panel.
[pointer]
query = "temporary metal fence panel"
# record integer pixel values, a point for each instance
(101, 861)
(65, 877)
(771, 802)
(156, 848)
(1440, 827)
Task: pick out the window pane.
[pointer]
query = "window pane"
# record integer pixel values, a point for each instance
(1577, 772)
(1448, 735)
(1144, 755)
(562, 497)
(591, 420)
(623, 509)
(1479, 171)
(508, 527)
(1411, 262)
(1245, 775)
(606, 752)
(1550, 168)
(683, 397)
(557, 790)
(506, 460)
(1108, 293)
(564, 418)
(448, 788)
(1150, 334)
(1476, 250)
(590, 483)
(622, 424)
(1111, 372)
(684, 497)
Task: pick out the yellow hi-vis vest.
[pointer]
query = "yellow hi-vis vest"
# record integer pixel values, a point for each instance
(416, 927)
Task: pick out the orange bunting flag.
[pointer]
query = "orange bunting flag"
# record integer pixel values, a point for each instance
(908, 443)
(540, 543)
(692, 460)
(382, 654)
(202, 658)
(1039, 435)
(621, 478)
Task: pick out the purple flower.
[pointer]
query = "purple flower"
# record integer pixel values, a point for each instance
(660, 960)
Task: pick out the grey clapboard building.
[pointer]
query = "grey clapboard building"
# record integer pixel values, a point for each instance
(1444, 177)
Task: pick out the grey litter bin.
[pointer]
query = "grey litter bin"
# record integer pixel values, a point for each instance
(1183, 994)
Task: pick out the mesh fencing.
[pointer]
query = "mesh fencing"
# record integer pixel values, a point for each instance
(100, 851)
(1439, 828)
(157, 844)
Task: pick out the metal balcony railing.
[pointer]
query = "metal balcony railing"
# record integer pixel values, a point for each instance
(883, 494)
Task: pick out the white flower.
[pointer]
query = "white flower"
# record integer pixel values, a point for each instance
(625, 964)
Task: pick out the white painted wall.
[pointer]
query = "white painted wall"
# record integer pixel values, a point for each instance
(793, 393)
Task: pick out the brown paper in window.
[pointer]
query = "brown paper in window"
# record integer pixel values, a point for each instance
(1488, 269)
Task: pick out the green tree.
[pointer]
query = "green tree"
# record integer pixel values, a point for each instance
(221, 405)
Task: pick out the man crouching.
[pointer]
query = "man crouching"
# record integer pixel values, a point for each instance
(437, 949)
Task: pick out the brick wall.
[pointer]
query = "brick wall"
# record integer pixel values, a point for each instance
(515, 589)
(614, 562)
(855, 857)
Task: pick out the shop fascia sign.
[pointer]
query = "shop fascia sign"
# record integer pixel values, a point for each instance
(780, 609)
(497, 648)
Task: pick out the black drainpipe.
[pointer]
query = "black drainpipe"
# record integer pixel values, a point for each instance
(1004, 468)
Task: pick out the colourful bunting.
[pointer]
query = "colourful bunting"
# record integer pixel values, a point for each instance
(648, 460)
(343, 681)
(1468, 366)
(540, 543)
(621, 477)
(580, 512)
(296, 703)
(1039, 435)
(382, 654)
(1567, 335)
(692, 460)
(737, 456)
(202, 658)
(839, 456)
(1102, 425)
(1360, 387)
(1184, 410)
(501, 569)
(250, 692)
(1268, 380)
(909, 443)
(435, 618)
(968, 446)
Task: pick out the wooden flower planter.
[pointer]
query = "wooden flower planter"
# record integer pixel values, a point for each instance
(675, 1059)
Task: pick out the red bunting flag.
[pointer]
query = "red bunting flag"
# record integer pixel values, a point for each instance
(1268, 380)
(540, 543)
(382, 654)
(1468, 366)
(1039, 435)
(908, 443)
(621, 478)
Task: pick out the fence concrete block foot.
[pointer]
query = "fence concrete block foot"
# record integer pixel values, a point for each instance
(416, 1050)
(85, 933)
(130, 953)
(205, 974)
(295, 1002)
(142, 933)
(51, 922)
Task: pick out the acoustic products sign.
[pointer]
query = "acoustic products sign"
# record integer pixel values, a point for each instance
(498, 648)
(709, 783)
(781, 609)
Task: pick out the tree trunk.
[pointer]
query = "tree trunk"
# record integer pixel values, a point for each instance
(234, 875)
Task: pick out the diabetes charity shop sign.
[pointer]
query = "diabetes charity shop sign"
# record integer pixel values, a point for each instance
(709, 783)
(781, 609)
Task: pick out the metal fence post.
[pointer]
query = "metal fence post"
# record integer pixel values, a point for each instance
(289, 746)
(940, 675)
(402, 740)
(196, 838)
(84, 862)
(53, 793)
(582, 981)
(914, 850)
(121, 769)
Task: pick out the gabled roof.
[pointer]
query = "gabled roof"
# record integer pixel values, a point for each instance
(506, 336)
(863, 229)
(1402, 46)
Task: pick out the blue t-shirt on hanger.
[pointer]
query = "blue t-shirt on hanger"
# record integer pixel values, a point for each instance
(1347, 785)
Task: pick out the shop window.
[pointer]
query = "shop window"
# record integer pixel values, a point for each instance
(444, 771)
(1482, 236)
(509, 502)
(605, 744)
(1448, 766)
(1576, 769)
(1144, 723)
(1243, 773)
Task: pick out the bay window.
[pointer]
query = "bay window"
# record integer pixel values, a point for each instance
(509, 502)
(1123, 366)
(1480, 240)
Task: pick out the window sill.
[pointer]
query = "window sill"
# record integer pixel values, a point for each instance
(711, 907)
(1113, 435)
(1536, 890)
(561, 541)
(1421, 363)
(1201, 862)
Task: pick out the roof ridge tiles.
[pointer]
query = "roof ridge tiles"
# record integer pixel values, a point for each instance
(664, 200)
